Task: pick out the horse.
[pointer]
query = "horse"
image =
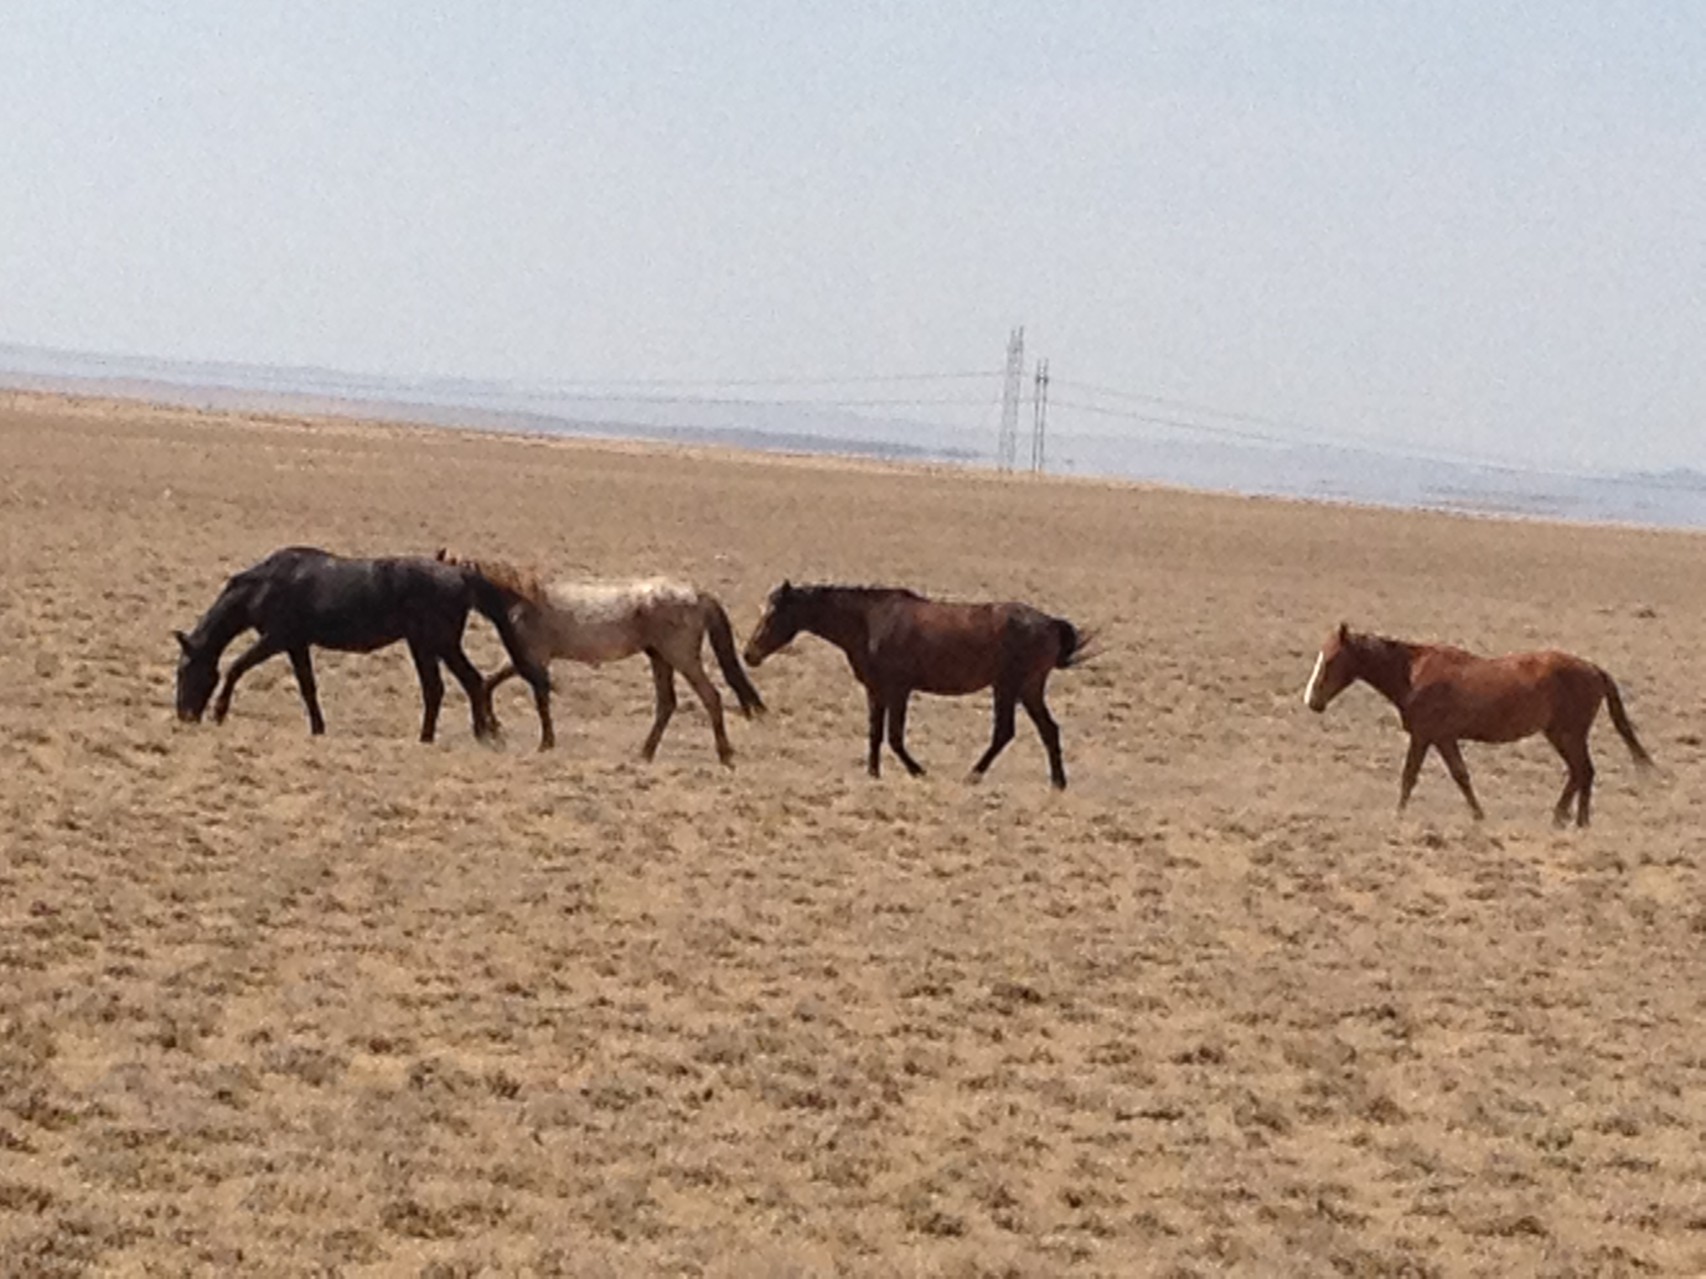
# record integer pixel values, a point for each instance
(1445, 695)
(300, 597)
(899, 642)
(605, 621)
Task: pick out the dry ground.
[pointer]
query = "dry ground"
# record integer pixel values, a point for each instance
(356, 1005)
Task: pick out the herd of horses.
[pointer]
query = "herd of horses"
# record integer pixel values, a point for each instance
(897, 643)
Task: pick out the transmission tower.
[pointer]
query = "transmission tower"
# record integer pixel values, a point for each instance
(1007, 446)
(1039, 416)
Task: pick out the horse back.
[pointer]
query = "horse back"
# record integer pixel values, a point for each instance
(946, 647)
(357, 605)
(1457, 694)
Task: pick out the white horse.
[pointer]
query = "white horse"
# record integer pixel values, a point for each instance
(605, 621)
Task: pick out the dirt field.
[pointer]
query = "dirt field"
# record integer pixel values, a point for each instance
(356, 1005)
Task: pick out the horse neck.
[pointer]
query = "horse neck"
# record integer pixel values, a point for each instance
(228, 618)
(840, 618)
(1385, 666)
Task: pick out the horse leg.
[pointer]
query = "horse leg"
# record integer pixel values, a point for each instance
(303, 665)
(1584, 793)
(897, 731)
(1049, 731)
(432, 687)
(1572, 778)
(1412, 769)
(695, 675)
(663, 682)
(1574, 749)
(474, 684)
(878, 712)
(541, 703)
(256, 653)
(1453, 757)
(1004, 707)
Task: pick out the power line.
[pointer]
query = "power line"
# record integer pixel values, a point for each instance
(1039, 417)
(711, 401)
(549, 385)
(1299, 436)
(1187, 406)
(1006, 442)
(1183, 424)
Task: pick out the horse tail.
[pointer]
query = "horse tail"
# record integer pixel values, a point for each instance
(1076, 646)
(496, 603)
(723, 645)
(1620, 720)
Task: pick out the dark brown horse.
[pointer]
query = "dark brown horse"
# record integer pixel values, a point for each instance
(900, 643)
(1445, 695)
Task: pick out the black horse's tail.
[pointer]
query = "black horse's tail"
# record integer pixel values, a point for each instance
(495, 604)
(1076, 646)
(723, 645)
(1620, 720)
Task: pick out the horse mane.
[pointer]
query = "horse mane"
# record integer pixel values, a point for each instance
(864, 592)
(518, 580)
(1367, 641)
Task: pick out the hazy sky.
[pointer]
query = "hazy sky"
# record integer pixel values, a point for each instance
(1478, 226)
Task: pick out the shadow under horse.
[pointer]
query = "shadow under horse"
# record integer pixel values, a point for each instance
(899, 642)
(300, 597)
(1445, 695)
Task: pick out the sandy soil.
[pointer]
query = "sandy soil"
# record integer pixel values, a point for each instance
(356, 1005)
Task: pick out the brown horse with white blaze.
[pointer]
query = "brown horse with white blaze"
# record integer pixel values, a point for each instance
(1445, 695)
(899, 643)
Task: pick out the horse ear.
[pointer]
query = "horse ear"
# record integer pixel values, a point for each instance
(441, 554)
(183, 641)
(787, 587)
(1344, 632)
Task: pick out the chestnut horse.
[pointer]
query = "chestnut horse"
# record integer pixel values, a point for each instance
(1445, 695)
(899, 643)
(595, 622)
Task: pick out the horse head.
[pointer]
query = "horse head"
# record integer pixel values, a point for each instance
(1335, 669)
(778, 626)
(198, 675)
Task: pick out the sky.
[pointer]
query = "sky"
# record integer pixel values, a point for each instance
(1478, 227)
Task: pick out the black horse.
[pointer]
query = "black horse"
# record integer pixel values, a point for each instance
(300, 596)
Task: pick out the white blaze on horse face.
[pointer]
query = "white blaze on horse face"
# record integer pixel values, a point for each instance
(1314, 685)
